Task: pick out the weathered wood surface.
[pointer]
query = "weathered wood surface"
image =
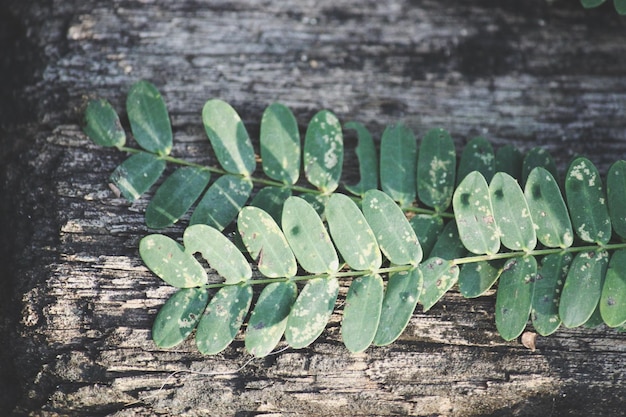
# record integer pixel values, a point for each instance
(77, 303)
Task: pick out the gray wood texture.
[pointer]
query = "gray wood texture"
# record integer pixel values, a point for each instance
(78, 304)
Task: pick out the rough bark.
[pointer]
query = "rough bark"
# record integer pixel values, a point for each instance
(77, 303)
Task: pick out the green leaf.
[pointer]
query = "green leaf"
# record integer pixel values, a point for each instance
(613, 297)
(476, 278)
(436, 168)
(620, 6)
(591, 3)
(538, 157)
(269, 318)
(222, 201)
(548, 210)
(148, 117)
(474, 215)
(352, 235)
(221, 254)
(427, 229)
(616, 193)
(271, 200)
(229, 137)
(403, 291)
(179, 316)
(311, 311)
(394, 234)
(102, 124)
(265, 241)
(361, 313)
(280, 144)
(595, 320)
(545, 305)
(514, 296)
(137, 174)
(323, 151)
(510, 160)
(587, 202)
(368, 160)
(317, 201)
(222, 318)
(168, 260)
(308, 237)
(583, 287)
(175, 196)
(511, 213)
(398, 164)
(477, 156)
(439, 276)
(449, 245)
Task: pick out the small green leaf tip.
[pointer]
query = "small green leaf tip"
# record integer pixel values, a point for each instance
(102, 124)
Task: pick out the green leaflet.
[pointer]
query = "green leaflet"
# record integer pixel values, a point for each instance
(311, 311)
(620, 6)
(137, 174)
(591, 3)
(361, 313)
(401, 296)
(510, 160)
(394, 234)
(148, 118)
(269, 317)
(436, 170)
(229, 137)
(439, 276)
(398, 164)
(474, 215)
(548, 285)
(178, 316)
(168, 260)
(427, 229)
(265, 241)
(368, 160)
(476, 278)
(613, 297)
(587, 202)
(317, 201)
(323, 151)
(514, 296)
(616, 192)
(271, 200)
(308, 238)
(583, 287)
(351, 234)
(175, 196)
(102, 124)
(222, 318)
(511, 213)
(221, 254)
(477, 156)
(548, 210)
(538, 157)
(448, 246)
(280, 144)
(222, 201)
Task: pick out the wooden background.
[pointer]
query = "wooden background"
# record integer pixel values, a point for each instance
(76, 303)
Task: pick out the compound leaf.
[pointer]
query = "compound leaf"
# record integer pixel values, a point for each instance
(229, 137)
(323, 151)
(148, 117)
(361, 313)
(514, 296)
(394, 234)
(269, 317)
(311, 311)
(179, 316)
(401, 296)
(548, 285)
(222, 318)
(616, 193)
(222, 201)
(137, 174)
(169, 261)
(102, 124)
(613, 297)
(398, 164)
(308, 237)
(439, 276)
(368, 161)
(477, 156)
(221, 254)
(280, 144)
(436, 168)
(175, 196)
